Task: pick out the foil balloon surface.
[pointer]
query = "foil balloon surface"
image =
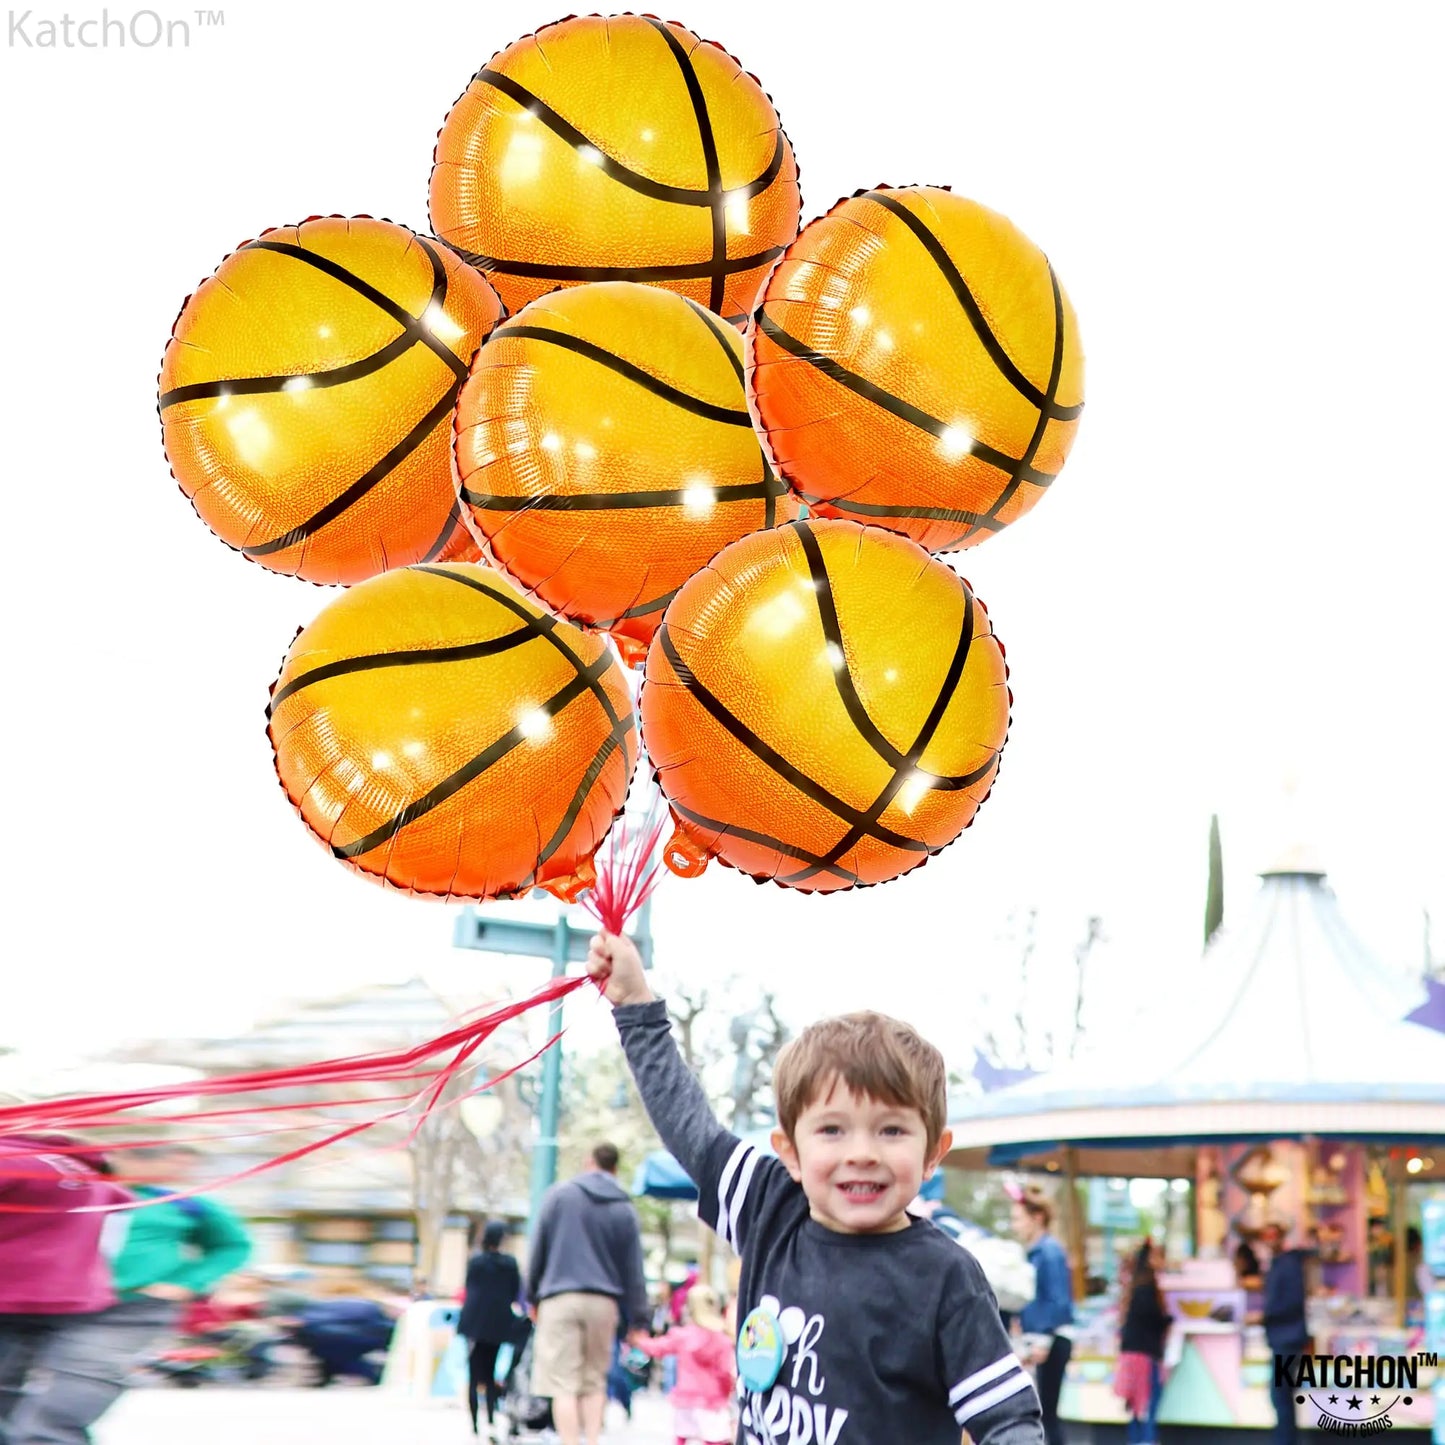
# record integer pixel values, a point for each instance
(916, 364)
(825, 706)
(307, 391)
(605, 452)
(440, 732)
(616, 148)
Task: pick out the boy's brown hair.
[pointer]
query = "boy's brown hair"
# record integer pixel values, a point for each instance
(873, 1055)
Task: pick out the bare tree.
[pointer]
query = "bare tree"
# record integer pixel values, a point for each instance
(497, 1172)
(1094, 933)
(1016, 1033)
(1030, 942)
(435, 1150)
(455, 1171)
(758, 1038)
(686, 1007)
(600, 1102)
(733, 1062)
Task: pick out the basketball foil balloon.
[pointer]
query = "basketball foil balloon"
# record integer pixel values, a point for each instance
(306, 397)
(616, 148)
(916, 364)
(825, 706)
(605, 452)
(442, 733)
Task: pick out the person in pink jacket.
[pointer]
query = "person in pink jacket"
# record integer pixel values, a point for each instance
(702, 1398)
(54, 1272)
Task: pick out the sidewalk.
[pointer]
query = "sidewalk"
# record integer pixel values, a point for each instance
(359, 1416)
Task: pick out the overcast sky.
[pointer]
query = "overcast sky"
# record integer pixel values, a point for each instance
(1235, 582)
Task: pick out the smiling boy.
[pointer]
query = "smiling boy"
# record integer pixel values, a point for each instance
(859, 1325)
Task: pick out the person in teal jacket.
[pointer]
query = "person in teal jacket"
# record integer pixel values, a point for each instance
(170, 1254)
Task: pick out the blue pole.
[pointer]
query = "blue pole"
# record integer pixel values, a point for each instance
(544, 1155)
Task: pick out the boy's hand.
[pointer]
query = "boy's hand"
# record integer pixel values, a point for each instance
(613, 960)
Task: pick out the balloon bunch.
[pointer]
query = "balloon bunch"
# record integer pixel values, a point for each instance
(620, 393)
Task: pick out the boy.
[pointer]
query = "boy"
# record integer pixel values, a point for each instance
(858, 1325)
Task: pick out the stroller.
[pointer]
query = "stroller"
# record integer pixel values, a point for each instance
(523, 1415)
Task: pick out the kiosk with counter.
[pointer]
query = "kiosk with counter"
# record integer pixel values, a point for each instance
(1280, 1077)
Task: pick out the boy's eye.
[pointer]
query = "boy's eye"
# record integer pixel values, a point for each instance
(830, 1129)
(894, 1129)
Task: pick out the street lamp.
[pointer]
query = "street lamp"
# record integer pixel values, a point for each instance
(563, 944)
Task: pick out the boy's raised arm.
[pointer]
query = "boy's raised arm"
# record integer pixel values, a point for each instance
(731, 1176)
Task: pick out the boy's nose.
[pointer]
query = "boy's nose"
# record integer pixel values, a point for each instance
(862, 1150)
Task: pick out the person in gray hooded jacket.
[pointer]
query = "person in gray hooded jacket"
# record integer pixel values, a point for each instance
(584, 1275)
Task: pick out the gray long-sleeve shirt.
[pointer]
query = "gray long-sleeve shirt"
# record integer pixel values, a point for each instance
(889, 1337)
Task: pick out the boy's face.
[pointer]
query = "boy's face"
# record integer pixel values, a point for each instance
(860, 1161)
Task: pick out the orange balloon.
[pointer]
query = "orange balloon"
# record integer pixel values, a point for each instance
(306, 395)
(825, 706)
(916, 364)
(617, 148)
(604, 452)
(440, 732)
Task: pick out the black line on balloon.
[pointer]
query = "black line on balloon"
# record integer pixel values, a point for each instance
(543, 624)
(641, 609)
(610, 166)
(905, 768)
(455, 782)
(731, 416)
(449, 529)
(1055, 369)
(843, 677)
(872, 509)
(809, 787)
(765, 840)
(610, 744)
(904, 410)
(884, 509)
(1001, 359)
(398, 313)
(414, 331)
(377, 472)
(716, 200)
(719, 335)
(409, 657)
(833, 634)
(678, 271)
(616, 501)
(306, 380)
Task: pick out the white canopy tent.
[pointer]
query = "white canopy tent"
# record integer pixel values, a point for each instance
(1286, 1027)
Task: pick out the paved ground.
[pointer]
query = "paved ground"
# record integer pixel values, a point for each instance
(354, 1415)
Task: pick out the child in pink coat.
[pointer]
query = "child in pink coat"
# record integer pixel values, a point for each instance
(702, 1398)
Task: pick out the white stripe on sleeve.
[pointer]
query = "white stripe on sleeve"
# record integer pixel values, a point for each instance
(723, 1184)
(982, 1377)
(1011, 1385)
(740, 1194)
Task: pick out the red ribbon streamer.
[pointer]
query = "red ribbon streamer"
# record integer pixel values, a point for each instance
(109, 1110)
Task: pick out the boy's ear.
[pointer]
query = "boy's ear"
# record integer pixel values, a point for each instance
(783, 1148)
(945, 1143)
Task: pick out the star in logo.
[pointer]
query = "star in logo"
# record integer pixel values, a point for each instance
(1374, 1399)
(1354, 1402)
(1334, 1399)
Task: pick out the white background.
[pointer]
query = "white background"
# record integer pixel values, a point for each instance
(1234, 582)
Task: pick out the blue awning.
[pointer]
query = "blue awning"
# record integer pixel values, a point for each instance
(660, 1176)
